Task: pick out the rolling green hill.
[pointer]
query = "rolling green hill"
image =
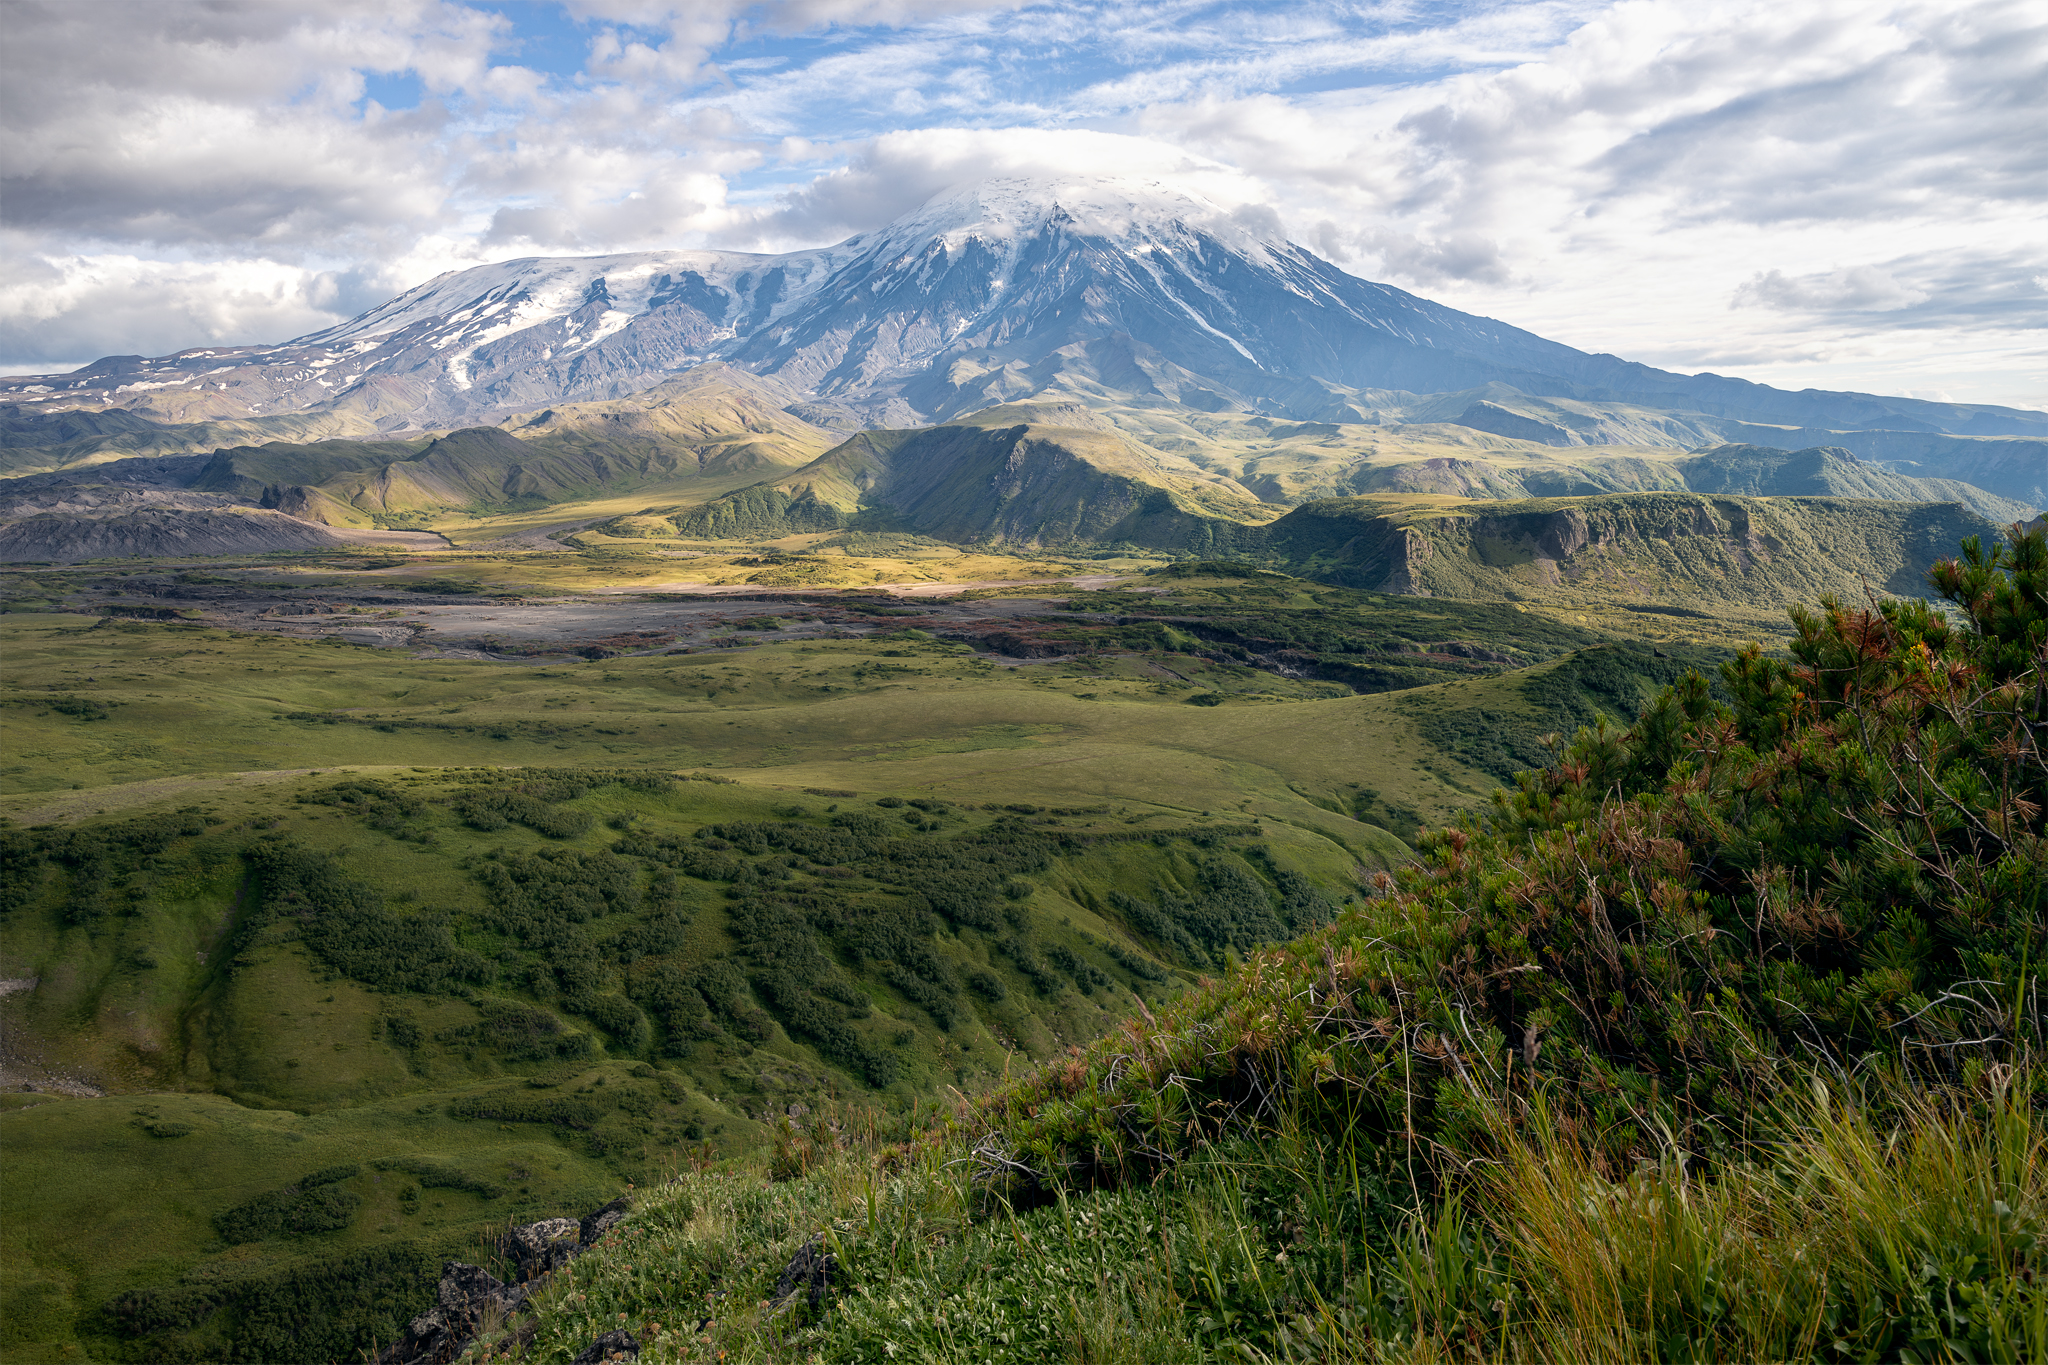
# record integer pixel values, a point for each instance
(1717, 1041)
(1023, 475)
(495, 993)
(1829, 472)
(693, 436)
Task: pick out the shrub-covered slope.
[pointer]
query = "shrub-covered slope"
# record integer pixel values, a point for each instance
(500, 994)
(1718, 1040)
(1829, 472)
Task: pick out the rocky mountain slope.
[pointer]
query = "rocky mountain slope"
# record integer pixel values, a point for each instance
(983, 295)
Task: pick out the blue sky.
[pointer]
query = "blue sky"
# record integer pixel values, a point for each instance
(1809, 193)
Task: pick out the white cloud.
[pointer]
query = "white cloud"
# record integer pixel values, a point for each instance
(1862, 288)
(59, 311)
(895, 173)
(1865, 182)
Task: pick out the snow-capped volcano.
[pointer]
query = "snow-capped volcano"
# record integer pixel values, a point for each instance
(1125, 287)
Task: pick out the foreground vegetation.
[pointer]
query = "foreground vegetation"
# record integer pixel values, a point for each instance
(1718, 1039)
(731, 927)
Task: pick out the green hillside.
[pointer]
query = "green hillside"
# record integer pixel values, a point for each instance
(1716, 1041)
(501, 990)
(1829, 471)
(839, 876)
(695, 435)
(36, 442)
(1006, 476)
(374, 953)
(1683, 549)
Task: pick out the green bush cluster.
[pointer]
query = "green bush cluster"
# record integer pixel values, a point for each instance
(312, 1205)
(435, 1175)
(519, 1106)
(1044, 979)
(517, 1032)
(108, 866)
(1086, 975)
(323, 1310)
(1610, 680)
(1137, 964)
(493, 810)
(665, 991)
(1230, 910)
(531, 797)
(81, 708)
(380, 805)
(346, 924)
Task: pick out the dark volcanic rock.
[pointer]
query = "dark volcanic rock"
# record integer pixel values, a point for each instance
(469, 1296)
(596, 1225)
(619, 1345)
(541, 1248)
(809, 1272)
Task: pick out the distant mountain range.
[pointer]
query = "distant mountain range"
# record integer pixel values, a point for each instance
(1024, 361)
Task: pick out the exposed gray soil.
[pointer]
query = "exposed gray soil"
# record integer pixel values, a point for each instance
(370, 610)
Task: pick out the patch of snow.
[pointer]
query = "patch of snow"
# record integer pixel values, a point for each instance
(612, 321)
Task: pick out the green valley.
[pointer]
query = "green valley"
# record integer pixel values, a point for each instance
(1060, 778)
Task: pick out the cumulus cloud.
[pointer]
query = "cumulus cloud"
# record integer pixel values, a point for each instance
(1862, 182)
(1863, 288)
(59, 312)
(894, 174)
(214, 125)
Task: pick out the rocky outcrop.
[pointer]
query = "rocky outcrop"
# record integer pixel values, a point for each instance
(809, 1274)
(619, 1345)
(470, 1299)
(542, 1248)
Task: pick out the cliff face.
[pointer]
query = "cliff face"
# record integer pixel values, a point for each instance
(1677, 547)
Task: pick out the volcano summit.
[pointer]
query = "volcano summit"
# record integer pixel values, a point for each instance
(1117, 288)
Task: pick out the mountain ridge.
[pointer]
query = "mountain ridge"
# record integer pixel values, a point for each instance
(1010, 272)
